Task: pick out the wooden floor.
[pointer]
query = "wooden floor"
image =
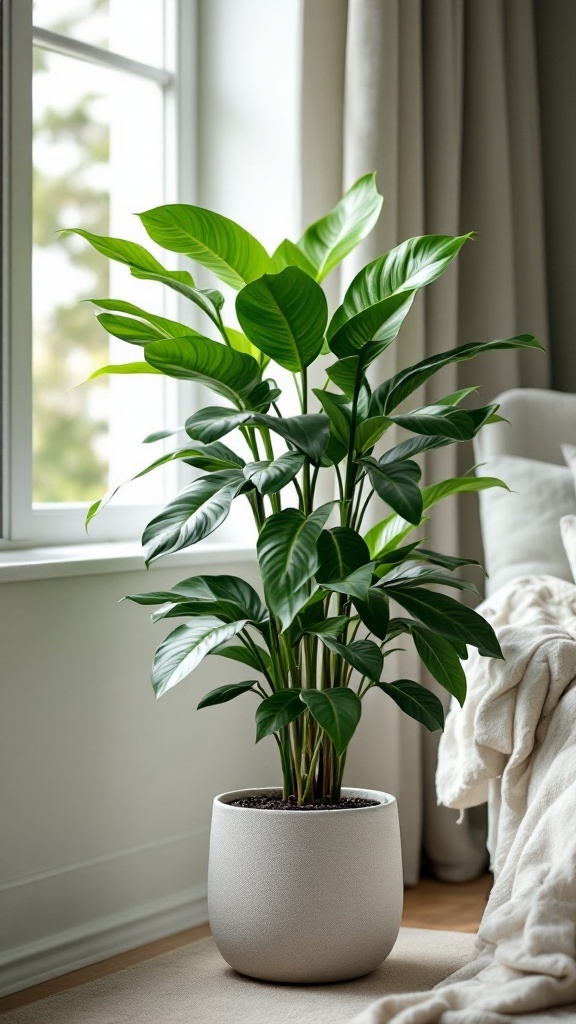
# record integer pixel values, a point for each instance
(430, 904)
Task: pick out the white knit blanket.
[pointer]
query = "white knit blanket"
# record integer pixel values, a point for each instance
(514, 743)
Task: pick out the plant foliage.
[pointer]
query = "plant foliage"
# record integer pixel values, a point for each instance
(319, 638)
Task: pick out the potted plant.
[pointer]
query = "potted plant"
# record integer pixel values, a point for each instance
(297, 892)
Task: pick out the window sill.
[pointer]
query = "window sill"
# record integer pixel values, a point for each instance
(98, 559)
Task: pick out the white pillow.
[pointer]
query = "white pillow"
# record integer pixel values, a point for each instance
(521, 531)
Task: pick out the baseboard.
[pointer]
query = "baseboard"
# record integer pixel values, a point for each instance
(67, 951)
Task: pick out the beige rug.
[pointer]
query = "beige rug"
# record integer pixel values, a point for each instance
(194, 985)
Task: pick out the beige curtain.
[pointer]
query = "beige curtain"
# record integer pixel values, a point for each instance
(440, 97)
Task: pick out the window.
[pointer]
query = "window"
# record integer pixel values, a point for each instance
(95, 92)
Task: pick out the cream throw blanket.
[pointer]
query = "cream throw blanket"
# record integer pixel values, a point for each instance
(514, 743)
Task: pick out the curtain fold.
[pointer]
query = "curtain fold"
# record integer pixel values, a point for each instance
(440, 98)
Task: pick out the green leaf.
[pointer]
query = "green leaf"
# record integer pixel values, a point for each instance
(309, 432)
(413, 446)
(441, 660)
(356, 584)
(195, 513)
(370, 431)
(339, 417)
(288, 558)
(419, 575)
(240, 343)
(397, 484)
(121, 368)
(340, 551)
(277, 711)
(288, 254)
(442, 421)
(207, 299)
(374, 610)
(269, 477)
(262, 395)
(415, 700)
(392, 531)
(446, 616)
(434, 493)
(185, 648)
(363, 655)
(244, 655)
(406, 268)
(214, 241)
(401, 385)
(126, 328)
(228, 597)
(326, 242)
(228, 373)
(334, 626)
(130, 253)
(285, 316)
(222, 694)
(213, 457)
(337, 712)
(166, 328)
(378, 325)
(450, 562)
(215, 421)
(344, 373)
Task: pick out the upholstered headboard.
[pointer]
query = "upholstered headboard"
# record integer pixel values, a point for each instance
(521, 530)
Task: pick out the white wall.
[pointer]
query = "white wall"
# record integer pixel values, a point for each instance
(106, 793)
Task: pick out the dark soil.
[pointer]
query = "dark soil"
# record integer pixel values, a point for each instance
(267, 802)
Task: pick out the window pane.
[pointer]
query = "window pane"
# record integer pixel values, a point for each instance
(97, 160)
(134, 28)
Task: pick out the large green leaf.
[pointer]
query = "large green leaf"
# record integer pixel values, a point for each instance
(277, 711)
(459, 485)
(195, 513)
(270, 476)
(228, 597)
(127, 328)
(326, 242)
(415, 700)
(441, 660)
(285, 316)
(337, 712)
(207, 299)
(166, 328)
(390, 394)
(419, 575)
(446, 616)
(407, 267)
(228, 373)
(287, 553)
(210, 239)
(340, 551)
(310, 432)
(370, 431)
(222, 694)
(363, 655)
(374, 610)
(443, 421)
(450, 562)
(185, 647)
(131, 254)
(397, 484)
(378, 325)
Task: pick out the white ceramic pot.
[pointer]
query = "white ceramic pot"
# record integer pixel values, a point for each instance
(305, 896)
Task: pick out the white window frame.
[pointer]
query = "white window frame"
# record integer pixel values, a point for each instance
(22, 524)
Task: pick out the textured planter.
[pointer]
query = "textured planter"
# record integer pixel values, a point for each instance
(305, 896)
